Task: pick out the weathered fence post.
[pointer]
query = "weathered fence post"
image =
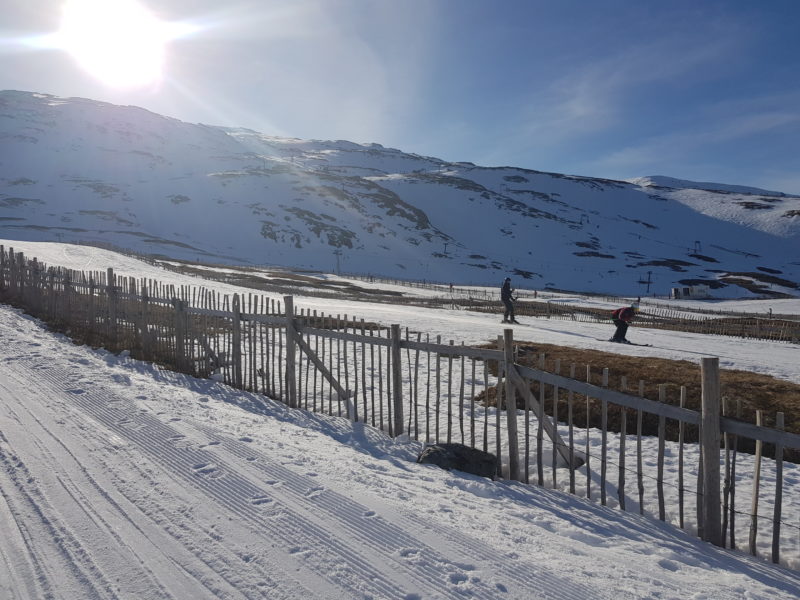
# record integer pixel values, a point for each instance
(180, 335)
(145, 337)
(51, 293)
(11, 266)
(36, 296)
(237, 342)
(756, 487)
(397, 381)
(778, 504)
(604, 437)
(21, 276)
(291, 353)
(709, 441)
(112, 307)
(511, 406)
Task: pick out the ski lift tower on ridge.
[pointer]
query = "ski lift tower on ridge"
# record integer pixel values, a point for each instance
(647, 281)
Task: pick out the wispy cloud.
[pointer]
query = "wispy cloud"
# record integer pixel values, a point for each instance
(733, 122)
(788, 183)
(595, 96)
(309, 68)
(323, 75)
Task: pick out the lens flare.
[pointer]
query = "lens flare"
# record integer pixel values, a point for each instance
(119, 42)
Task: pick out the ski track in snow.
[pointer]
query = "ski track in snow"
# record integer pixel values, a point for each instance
(333, 541)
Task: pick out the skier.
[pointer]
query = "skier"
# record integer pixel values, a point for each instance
(623, 316)
(507, 296)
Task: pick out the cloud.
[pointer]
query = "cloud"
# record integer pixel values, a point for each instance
(596, 96)
(727, 123)
(319, 69)
(788, 183)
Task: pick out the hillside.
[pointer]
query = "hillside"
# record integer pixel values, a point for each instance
(80, 170)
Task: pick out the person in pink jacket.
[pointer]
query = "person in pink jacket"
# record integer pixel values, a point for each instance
(622, 317)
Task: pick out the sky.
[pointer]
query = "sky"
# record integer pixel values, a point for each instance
(707, 91)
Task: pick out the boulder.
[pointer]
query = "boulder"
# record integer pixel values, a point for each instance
(461, 458)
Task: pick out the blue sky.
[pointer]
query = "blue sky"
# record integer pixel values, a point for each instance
(703, 90)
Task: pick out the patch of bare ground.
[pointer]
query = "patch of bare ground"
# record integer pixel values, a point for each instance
(753, 391)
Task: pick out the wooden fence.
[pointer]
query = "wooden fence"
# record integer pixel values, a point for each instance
(533, 303)
(776, 329)
(407, 384)
(779, 328)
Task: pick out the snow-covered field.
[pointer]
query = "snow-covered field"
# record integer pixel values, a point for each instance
(121, 480)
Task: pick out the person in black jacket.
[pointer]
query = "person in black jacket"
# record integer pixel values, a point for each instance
(507, 296)
(622, 317)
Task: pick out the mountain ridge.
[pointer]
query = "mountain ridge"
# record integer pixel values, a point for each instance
(83, 170)
(663, 181)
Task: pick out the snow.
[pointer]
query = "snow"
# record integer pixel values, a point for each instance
(122, 480)
(672, 182)
(78, 170)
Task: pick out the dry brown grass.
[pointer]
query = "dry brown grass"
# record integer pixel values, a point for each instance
(755, 391)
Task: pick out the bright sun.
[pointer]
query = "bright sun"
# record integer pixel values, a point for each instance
(117, 41)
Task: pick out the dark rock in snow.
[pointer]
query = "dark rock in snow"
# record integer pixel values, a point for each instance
(461, 458)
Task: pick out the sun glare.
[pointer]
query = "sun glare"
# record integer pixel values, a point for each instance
(117, 41)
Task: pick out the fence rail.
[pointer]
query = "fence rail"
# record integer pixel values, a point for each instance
(544, 427)
(542, 304)
(781, 328)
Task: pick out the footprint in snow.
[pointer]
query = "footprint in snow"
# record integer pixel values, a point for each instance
(314, 492)
(207, 470)
(668, 565)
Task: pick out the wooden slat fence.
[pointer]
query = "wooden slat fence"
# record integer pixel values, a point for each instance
(539, 304)
(780, 328)
(407, 384)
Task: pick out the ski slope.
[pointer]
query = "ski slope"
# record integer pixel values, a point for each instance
(121, 480)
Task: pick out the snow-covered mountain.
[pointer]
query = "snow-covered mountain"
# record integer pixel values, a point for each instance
(79, 170)
(661, 181)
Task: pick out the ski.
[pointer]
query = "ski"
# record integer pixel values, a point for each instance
(625, 343)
